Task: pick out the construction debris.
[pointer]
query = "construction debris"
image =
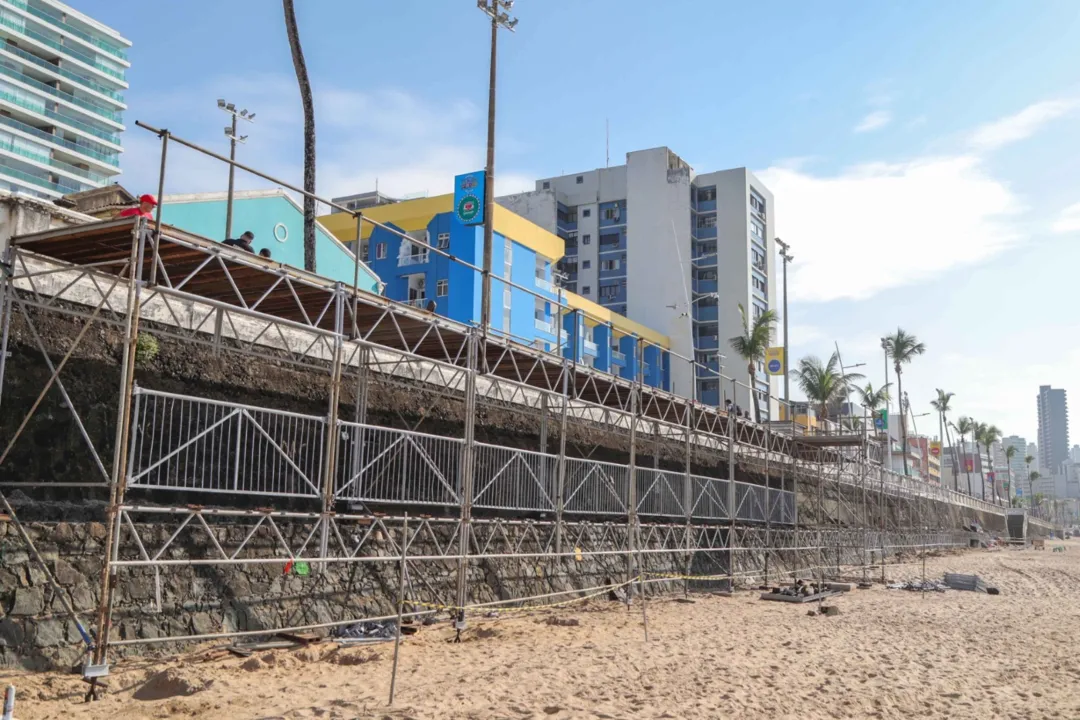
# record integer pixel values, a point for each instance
(971, 583)
(385, 630)
(919, 586)
(801, 592)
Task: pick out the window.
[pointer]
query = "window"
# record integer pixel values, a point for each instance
(580, 179)
(380, 251)
(706, 194)
(609, 239)
(586, 264)
(571, 236)
(443, 241)
(585, 289)
(586, 239)
(756, 230)
(547, 185)
(587, 212)
(364, 249)
(706, 221)
(609, 264)
(611, 213)
(706, 275)
(441, 287)
(609, 291)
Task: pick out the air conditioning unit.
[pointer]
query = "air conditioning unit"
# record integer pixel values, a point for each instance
(421, 283)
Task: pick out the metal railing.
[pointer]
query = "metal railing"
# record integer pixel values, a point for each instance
(185, 443)
(543, 326)
(545, 285)
(412, 259)
(511, 479)
(596, 488)
(377, 464)
(36, 180)
(60, 117)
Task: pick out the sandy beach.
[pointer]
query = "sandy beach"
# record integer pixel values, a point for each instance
(888, 654)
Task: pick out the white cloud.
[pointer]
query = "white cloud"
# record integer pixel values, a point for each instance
(1068, 221)
(874, 121)
(879, 225)
(1022, 125)
(407, 144)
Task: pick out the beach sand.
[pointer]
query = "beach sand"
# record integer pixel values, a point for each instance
(888, 654)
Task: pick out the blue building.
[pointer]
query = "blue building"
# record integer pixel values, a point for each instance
(552, 319)
(278, 223)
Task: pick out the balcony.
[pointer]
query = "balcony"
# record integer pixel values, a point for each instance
(79, 148)
(590, 347)
(66, 97)
(618, 357)
(61, 117)
(59, 47)
(544, 285)
(60, 165)
(39, 181)
(412, 259)
(74, 77)
(420, 302)
(705, 313)
(760, 267)
(59, 22)
(543, 326)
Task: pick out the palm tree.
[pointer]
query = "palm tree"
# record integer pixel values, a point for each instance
(1032, 477)
(1028, 459)
(751, 347)
(824, 384)
(941, 404)
(990, 435)
(872, 399)
(902, 347)
(1010, 453)
(965, 426)
(309, 133)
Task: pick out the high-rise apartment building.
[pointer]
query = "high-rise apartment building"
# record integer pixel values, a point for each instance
(61, 99)
(1016, 466)
(672, 249)
(1053, 429)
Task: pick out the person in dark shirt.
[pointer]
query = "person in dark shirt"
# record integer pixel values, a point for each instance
(243, 242)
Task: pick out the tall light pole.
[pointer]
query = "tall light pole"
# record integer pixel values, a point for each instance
(230, 132)
(786, 258)
(497, 10)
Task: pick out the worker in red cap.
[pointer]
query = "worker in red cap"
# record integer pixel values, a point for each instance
(147, 203)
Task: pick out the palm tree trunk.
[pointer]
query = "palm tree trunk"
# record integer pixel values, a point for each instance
(967, 468)
(903, 415)
(1008, 492)
(956, 456)
(309, 132)
(753, 392)
(982, 470)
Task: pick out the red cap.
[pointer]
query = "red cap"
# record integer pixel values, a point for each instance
(148, 198)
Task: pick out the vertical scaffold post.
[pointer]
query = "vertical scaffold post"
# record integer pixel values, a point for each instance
(560, 476)
(7, 304)
(631, 486)
(360, 409)
(118, 481)
(466, 480)
(768, 500)
(732, 514)
(332, 435)
(688, 497)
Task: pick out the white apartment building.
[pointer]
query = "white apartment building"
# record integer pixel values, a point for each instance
(61, 99)
(672, 249)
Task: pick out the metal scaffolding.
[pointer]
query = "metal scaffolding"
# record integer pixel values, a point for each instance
(674, 491)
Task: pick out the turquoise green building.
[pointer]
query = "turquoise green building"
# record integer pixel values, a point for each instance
(278, 223)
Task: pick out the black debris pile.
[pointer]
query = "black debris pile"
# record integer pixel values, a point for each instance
(385, 630)
(919, 586)
(801, 588)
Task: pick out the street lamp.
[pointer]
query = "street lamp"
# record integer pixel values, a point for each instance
(787, 258)
(230, 132)
(500, 18)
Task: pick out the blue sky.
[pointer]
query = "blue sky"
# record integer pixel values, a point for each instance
(922, 153)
